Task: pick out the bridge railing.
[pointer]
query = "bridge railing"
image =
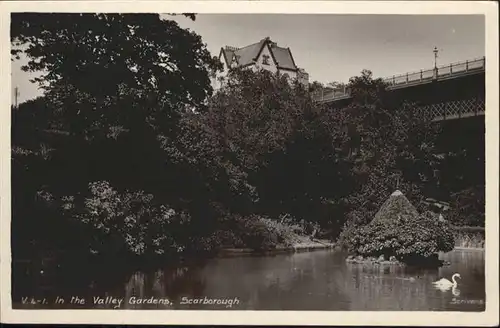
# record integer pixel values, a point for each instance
(458, 68)
(411, 78)
(329, 94)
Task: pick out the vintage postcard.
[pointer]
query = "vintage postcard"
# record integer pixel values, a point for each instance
(249, 162)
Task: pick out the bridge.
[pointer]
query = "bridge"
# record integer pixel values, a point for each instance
(446, 92)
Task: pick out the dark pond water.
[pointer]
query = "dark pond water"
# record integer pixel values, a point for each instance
(319, 280)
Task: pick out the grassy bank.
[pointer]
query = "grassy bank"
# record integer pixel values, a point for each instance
(286, 237)
(295, 236)
(469, 237)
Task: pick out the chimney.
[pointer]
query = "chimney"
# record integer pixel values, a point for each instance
(272, 43)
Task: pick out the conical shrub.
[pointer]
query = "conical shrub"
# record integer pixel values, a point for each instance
(394, 209)
(399, 230)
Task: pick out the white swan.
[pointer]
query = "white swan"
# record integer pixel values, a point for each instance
(445, 284)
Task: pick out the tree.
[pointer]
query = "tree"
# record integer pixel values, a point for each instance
(318, 164)
(117, 87)
(315, 86)
(337, 85)
(117, 83)
(110, 61)
(273, 133)
(390, 147)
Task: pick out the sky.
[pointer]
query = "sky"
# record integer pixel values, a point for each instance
(335, 47)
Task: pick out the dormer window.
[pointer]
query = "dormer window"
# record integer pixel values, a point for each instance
(234, 62)
(265, 60)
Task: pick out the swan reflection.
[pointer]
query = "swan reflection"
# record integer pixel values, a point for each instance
(455, 291)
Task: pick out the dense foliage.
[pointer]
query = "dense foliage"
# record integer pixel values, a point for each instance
(469, 237)
(130, 154)
(389, 147)
(112, 110)
(468, 207)
(409, 238)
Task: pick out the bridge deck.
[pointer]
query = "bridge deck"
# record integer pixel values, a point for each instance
(450, 71)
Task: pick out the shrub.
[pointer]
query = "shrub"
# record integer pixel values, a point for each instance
(258, 235)
(349, 229)
(394, 208)
(469, 237)
(227, 239)
(128, 222)
(408, 238)
(468, 207)
(287, 231)
(253, 231)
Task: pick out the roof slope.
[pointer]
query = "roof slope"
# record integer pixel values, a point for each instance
(248, 55)
(283, 57)
(228, 55)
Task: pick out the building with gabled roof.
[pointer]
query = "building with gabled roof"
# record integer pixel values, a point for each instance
(264, 54)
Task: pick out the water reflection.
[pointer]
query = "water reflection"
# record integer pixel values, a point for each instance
(303, 281)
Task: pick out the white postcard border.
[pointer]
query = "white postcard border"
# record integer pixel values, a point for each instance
(487, 318)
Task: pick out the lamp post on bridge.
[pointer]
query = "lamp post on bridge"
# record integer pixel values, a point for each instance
(435, 62)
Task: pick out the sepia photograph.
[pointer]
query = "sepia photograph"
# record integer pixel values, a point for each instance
(248, 161)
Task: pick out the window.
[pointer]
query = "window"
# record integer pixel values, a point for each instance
(265, 60)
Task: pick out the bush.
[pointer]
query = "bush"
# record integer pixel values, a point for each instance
(469, 240)
(128, 222)
(468, 207)
(287, 230)
(350, 228)
(256, 234)
(394, 208)
(260, 233)
(409, 238)
(253, 231)
(469, 237)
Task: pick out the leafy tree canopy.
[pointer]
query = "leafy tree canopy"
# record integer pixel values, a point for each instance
(96, 65)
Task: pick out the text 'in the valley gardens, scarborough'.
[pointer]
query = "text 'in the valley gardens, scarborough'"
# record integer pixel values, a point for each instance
(133, 302)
